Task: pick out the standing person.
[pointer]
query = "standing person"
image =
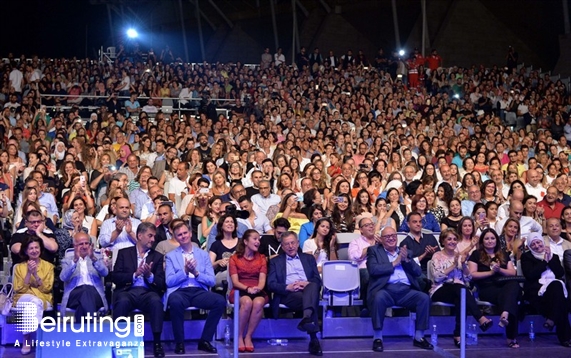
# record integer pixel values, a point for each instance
(393, 281)
(189, 276)
(487, 264)
(294, 279)
(450, 273)
(266, 60)
(248, 270)
(119, 232)
(139, 280)
(33, 281)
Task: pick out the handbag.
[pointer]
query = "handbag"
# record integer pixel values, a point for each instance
(6, 298)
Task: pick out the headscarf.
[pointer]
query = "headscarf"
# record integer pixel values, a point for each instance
(532, 237)
(67, 219)
(59, 154)
(127, 150)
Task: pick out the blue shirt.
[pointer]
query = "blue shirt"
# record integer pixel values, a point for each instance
(305, 232)
(139, 198)
(48, 200)
(398, 275)
(294, 270)
(429, 222)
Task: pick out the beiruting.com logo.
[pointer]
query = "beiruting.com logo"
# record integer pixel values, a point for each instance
(27, 321)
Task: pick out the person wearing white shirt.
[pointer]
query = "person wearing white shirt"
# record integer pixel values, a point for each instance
(504, 209)
(533, 185)
(119, 232)
(265, 198)
(554, 240)
(527, 224)
(260, 223)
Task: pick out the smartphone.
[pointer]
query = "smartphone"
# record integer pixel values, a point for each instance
(338, 199)
(481, 216)
(204, 191)
(112, 167)
(82, 180)
(167, 203)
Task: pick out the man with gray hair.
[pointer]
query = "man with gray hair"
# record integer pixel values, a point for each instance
(294, 279)
(265, 198)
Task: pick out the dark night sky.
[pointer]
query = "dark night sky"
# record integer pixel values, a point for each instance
(52, 28)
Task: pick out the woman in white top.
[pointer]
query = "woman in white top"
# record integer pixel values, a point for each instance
(322, 244)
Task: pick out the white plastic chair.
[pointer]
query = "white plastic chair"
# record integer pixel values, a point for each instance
(341, 283)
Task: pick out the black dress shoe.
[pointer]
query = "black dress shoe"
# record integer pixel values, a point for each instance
(378, 345)
(206, 346)
(158, 350)
(179, 348)
(307, 325)
(423, 343)
(315, 347)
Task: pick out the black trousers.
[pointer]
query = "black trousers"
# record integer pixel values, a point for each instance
(451, 294)
(84, 299)
(505, 295)
(364, 281)
(308, 299)
(143, 299)
(553, 305)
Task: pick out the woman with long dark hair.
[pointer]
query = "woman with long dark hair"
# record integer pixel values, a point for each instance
(224, 246)
(487, 266)
(322, 244)
(342, 215)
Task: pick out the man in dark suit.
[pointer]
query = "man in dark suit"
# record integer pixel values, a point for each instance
(295, 282)
(165, 216)
(392, 282)
(140, 282)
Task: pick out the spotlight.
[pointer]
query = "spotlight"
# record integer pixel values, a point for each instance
(401, 53)
(132, 33)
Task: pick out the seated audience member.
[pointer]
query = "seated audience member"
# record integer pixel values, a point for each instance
(225, 208)
(554, 241)
(164, 247)
(248, 270)
(165, 216)
(450, 273)
(544, 287)
(189, 276)
(342, 215)
(393, 276)
(315, 213)
(358, 253)
(552, 208)
(271, 245)
(420, 206)
(487, 264)
(35, 225)
(527, 224)
(139, 279)
(420, 245)
(82, 275)
(294, 279)
(255, 221)
(290, 210)
(119, 232)
(33, 282)
(224, 246)
(323, 243)
(71, 225)
(264, 199)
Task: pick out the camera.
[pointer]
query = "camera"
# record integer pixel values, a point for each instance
(238, 214)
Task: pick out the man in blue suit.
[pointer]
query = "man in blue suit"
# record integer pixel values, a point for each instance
(295, 282)
(393, 282)
(189, 276)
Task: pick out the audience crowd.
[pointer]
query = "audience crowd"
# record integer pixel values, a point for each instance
(217, 166)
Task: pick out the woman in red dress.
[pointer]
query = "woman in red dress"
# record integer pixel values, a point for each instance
(248, 270)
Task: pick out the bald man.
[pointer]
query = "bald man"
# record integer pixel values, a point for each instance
(527, 224)
(552, 208)
(82, 275)
(533, 185)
